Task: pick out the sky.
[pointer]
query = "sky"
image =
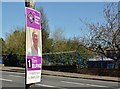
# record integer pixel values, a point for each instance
(65, 15)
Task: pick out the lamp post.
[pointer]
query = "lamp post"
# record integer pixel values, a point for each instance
(30, 4)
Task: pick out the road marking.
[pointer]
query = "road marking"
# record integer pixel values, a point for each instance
(84, 84)
(12, 72)
(6, 80)
(17, 76)
(53, 76)
(44, 85)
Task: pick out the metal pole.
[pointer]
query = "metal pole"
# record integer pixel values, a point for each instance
(101, 65)
(79, 58)
(30, 4)
(27, 86)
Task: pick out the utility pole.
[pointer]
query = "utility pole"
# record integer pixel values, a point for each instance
(30, 4)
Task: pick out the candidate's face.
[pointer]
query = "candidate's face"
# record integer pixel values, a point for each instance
(35, 38)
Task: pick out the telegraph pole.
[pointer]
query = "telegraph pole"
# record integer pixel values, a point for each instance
(30, 4)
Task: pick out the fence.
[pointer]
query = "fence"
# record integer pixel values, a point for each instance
(64, 58)
(58, 58)
(72, 58)
(71, 61)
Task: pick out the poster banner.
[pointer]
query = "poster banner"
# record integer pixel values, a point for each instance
(33, 46)
(33, 18)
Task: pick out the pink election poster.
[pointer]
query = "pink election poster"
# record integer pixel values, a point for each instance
(33, 46)
(33, 18)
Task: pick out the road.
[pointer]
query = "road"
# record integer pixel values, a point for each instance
(14, 79)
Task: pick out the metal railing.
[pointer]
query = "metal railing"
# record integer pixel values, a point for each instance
(60, 58)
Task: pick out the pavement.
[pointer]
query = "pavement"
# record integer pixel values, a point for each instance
(64, 74)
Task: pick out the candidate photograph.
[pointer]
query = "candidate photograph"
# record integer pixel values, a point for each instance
(34, 47)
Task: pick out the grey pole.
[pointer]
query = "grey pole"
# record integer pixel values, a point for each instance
(30, 4)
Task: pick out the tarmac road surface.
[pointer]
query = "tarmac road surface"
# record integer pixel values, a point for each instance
(15, 79)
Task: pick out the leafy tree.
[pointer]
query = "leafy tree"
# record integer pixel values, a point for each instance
(15, 41)
(2, 46)
(46, 41)
(1, 41)
(57, 35)
(75, 44)
(59, 43)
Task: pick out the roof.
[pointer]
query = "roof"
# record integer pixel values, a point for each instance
(100, 59)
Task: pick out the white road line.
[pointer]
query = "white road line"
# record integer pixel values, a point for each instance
(12, 72)
(6, 80)
(53, 76)
(44, 85)
(84, 84)
(17, 76)
(50, 76)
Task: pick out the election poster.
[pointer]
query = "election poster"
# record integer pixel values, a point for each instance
(33, 46)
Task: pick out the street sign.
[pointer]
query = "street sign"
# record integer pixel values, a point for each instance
(33, 46)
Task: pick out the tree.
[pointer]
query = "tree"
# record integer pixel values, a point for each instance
(15, 42)
(75, 44)
(59, 42)
(104, 38)
(57, 35)
(2, 46)
(1, 42)
(46, 41)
